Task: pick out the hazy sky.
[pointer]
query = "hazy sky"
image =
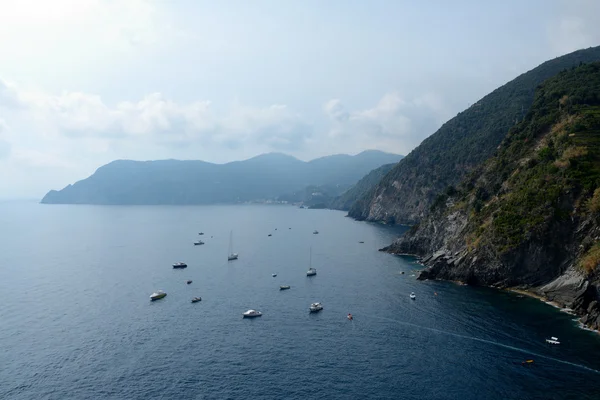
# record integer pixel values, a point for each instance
(84, 82)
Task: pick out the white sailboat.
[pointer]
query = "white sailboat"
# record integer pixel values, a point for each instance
(311, 271)
(231, 255)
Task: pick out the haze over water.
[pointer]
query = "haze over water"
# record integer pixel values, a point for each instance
(77, 322)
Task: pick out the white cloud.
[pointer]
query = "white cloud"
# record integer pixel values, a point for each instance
(393, 124)
(5, 145)
(576, 26)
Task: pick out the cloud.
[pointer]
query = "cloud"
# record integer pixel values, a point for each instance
(157, 120)
(576, 27)
(393, 124)
(5, 146)
(8, 95)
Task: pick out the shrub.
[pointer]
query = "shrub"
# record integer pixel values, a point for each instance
(590, 261)
(594, 203)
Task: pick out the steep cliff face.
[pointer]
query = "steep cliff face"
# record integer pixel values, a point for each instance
(530, 216)
(405, 194)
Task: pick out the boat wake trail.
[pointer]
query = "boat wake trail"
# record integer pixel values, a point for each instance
(506, 346)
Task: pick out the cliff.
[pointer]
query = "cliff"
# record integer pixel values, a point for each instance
(463, 143)
(529, 217)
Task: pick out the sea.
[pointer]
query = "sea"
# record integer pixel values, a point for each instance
(77, 321)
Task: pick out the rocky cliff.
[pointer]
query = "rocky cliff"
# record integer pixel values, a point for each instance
(529, 217)
(405, 194)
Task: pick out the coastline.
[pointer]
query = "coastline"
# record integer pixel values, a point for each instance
(525, 292)
(554, 304)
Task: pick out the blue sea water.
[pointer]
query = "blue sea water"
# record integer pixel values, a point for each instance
(77, 322)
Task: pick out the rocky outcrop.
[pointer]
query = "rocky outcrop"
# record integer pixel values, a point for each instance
(529, 218)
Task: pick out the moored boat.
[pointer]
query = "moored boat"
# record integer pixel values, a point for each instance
(311, 271)
(413, 295)
(198, 243)
(553, 340)
(231, 255)
(180, 265)
(284, 287)
(159, 294)
(252, 314)
(315, 307)
(196, 299)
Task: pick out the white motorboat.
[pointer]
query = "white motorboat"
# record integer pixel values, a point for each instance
(180, 265)
(198, 243)
(413, 295)
(252, 314)
(315, 307)
(159, 294)
(284, 287)
(196, 299)
(553, 340)
(232, 256)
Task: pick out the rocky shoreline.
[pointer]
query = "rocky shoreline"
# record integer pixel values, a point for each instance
(571, 292)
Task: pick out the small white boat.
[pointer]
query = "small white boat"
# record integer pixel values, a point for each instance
(159, 294)
(273, 275)
(196, 299)
(252, 314)
(553, 340)
(315, 232)
(198, 243)
(180, 265)
(413, 295)
(284, 287)
(315, 307)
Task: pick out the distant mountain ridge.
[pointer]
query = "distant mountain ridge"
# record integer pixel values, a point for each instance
(263, 177)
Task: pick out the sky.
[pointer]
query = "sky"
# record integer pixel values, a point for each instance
(85, 82)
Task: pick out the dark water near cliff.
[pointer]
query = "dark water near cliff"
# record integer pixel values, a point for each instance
(77, 322)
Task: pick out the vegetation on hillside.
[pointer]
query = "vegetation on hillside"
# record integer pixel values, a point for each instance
(546, 172)
(264, 177)
(367, 183)
(462, 144)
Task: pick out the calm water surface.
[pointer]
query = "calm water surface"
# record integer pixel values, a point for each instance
(77, 322)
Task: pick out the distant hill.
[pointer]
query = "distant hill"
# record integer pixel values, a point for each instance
(362, 187)
(405, 194)
(266, 176)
